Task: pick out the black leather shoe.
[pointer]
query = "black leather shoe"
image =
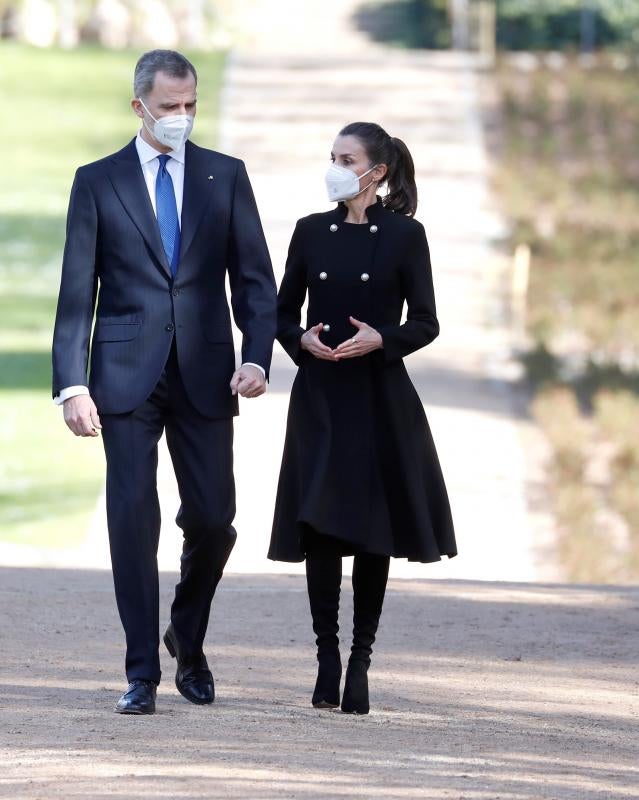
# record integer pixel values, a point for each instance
(193, 678)
(139, 698)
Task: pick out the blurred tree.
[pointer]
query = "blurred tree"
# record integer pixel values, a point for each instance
(460, 23)
(407, 23)
(112, 23)
(557, 24)
(512, 24)
(68, 33)
(588, 26)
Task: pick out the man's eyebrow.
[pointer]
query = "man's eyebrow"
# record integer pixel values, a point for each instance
(168, 103)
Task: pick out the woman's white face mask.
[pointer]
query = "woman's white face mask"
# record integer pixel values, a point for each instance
(342, 183)
(171, 131)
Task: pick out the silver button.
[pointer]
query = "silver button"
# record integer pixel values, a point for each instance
(365, 276)
(373, 229)
(327, 327)
(323, 276)
(333, 228)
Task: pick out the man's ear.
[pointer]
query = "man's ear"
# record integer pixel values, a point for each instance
(136, 105)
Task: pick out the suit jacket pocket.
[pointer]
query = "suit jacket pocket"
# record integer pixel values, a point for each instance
(218, 334)
(108, 331)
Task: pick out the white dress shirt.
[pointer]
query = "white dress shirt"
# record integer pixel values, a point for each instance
(148, 156)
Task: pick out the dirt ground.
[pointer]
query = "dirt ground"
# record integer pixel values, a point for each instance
(478, 689)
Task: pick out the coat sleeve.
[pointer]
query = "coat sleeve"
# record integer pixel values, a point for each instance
(421, 325)
(78, 289)
(253, 291)
(291, 298)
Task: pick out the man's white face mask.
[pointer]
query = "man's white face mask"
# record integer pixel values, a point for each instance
(342, 183)
(171, 131)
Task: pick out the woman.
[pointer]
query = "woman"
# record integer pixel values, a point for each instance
(360, 474)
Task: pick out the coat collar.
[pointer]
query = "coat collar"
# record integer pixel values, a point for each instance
(374, 212)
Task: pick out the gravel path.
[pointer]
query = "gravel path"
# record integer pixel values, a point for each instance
(479, 689)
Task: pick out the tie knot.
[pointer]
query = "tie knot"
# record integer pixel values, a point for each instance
(163, 159)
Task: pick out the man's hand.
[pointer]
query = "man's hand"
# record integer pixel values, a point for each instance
(310, 341)
(365, 341)
(248, 381)
(81, 415)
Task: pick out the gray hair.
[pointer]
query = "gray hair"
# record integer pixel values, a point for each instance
(170, 62)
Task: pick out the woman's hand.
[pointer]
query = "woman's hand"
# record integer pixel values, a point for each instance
(310, 341)
(365, 341)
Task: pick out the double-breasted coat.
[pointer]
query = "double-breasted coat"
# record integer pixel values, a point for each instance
(359, 460)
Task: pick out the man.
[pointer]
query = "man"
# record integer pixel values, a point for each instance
(152, 232)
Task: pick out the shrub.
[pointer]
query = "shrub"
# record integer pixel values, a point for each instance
(617, 414)
(557, 411)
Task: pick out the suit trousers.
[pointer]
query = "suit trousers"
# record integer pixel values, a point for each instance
(201, 450)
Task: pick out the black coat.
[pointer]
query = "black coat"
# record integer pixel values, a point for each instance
(114, 250)
(359, 461)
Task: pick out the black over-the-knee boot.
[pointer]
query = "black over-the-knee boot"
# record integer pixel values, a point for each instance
(324, 578)
(370, 575)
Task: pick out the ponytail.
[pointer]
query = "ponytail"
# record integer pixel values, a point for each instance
(402, 189)
(384, 149)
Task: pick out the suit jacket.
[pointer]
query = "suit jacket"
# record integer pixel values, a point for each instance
(114, 253)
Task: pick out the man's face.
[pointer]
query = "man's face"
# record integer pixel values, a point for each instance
(168, 97)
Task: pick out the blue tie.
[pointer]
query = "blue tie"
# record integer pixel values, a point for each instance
(167, 214)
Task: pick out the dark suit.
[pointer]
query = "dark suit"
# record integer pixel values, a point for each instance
(162, 358)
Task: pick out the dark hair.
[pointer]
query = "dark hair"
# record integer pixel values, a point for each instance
(171, 62)
(384, 149)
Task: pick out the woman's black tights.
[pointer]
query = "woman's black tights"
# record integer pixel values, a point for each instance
(324, 577)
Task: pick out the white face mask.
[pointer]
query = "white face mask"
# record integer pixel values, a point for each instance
(343, 183)
(172, 131)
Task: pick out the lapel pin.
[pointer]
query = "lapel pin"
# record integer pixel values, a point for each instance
(210, 178)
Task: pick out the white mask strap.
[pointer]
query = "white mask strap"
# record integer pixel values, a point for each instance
(146, 109)
(363, 175)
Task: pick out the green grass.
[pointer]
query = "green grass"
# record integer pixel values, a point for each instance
(66, 108)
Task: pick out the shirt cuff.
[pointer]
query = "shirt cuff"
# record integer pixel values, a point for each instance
(251, 364)
(70, 391)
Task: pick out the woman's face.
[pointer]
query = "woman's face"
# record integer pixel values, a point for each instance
(349, 152)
